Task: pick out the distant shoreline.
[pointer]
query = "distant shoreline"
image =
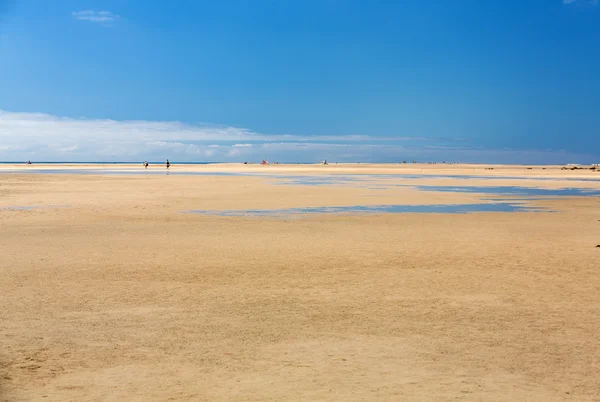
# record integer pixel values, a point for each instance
(298, 163)
(105, 163)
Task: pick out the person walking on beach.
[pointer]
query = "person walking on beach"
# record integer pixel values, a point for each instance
(145, 164)
(168, 164)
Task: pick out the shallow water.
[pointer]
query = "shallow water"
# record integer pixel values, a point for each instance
(514, 190)
(379, 209)
(310, 180)
(32, 207)
(29, 207)
(113, 172)
(375, 182)
(357, 178)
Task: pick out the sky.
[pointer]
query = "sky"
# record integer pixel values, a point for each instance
(507, 81)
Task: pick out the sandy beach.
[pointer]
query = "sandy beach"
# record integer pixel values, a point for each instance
(113, 290)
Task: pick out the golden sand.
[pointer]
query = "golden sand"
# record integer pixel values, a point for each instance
(113, 292)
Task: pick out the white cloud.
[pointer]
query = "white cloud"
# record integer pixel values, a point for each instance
(582, 2)
(44, 137)
(96, 16)
(40, 125)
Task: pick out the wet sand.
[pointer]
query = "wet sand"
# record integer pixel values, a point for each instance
(110, 291)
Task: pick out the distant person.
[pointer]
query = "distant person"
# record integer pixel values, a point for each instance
(145, 164)
(29, 162)
(168, 164)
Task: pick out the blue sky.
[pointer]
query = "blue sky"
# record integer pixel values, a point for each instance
(381, 81)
